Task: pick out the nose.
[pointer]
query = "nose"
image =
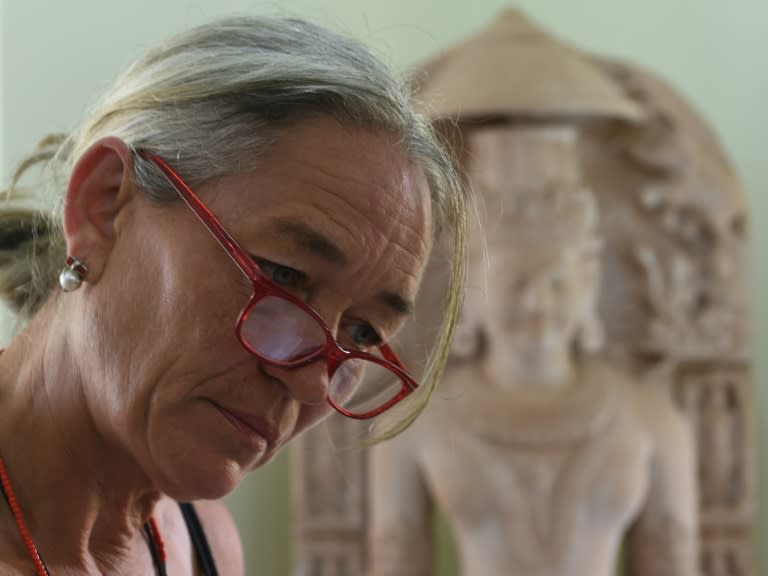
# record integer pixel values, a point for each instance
(307, 384)
(533, 300)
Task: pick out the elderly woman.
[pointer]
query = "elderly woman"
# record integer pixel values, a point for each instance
(242, 225)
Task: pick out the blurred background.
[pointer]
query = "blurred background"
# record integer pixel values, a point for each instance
(55, 57)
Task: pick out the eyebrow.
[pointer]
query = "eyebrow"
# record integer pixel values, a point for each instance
(396, 303)
(310, 240)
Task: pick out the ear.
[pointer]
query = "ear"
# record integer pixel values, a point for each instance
(99, 189)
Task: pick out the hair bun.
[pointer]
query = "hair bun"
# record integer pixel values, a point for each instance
(31, 244)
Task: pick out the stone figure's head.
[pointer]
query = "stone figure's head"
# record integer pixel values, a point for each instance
(534, 282)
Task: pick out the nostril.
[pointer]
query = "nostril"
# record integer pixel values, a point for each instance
(307, 384)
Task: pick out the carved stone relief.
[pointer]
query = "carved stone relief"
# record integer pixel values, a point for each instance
(686, 314)
(541, 453)
(597, 354)
(330, 487)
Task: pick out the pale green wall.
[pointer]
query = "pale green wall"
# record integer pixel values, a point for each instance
(2, 76)
(56, 55)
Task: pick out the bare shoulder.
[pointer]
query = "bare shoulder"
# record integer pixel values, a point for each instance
(648, 403)
(223, 537)
(665, 421)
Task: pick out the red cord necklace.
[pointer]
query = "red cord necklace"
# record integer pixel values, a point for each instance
(155, 541)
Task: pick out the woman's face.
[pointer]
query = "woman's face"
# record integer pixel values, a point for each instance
(336, 215)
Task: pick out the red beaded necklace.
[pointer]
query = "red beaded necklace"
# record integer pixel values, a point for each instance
(156, 544)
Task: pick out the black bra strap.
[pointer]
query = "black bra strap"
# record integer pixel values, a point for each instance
(199, 541)
(154, 550)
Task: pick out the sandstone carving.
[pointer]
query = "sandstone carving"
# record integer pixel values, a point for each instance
(599, 388)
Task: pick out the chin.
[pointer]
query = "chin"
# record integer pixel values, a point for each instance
(196, 481)
(514, 368)
(199, 471)
(199, 454)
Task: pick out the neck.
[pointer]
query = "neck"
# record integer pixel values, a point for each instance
(531, 367)
(83, 498)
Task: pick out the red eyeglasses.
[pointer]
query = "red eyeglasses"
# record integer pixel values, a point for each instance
(281, 330)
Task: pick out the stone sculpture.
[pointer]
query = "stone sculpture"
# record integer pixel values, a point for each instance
(602, 347)
(541, 454)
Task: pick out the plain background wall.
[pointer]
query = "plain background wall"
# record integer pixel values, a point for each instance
(56, 56)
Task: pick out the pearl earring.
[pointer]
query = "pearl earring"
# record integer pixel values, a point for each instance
(73, 274)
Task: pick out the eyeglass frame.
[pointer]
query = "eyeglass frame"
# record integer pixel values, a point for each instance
(263, 287)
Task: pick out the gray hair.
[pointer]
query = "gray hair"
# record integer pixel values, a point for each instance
(210, 101)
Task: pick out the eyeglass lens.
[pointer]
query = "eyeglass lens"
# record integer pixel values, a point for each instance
(279, 331)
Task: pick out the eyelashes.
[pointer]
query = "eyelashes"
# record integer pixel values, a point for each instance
(284, 276)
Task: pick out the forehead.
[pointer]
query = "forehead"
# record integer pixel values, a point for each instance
(350, 193)
(527, 259)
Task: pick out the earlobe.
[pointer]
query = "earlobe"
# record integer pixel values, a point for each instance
(99, 188)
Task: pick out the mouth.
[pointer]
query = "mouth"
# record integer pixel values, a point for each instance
(250, 424)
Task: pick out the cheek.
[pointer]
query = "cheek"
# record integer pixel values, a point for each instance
(168, 325)
(198, 302)
(575, 301)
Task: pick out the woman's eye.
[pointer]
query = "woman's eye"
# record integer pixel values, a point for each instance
(283, 276)
(361, 336)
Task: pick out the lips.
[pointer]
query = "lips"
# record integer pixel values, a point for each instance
(251, 423)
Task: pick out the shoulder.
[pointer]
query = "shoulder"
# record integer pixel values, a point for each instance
(666, 423)
(223, 537)
(647, 405)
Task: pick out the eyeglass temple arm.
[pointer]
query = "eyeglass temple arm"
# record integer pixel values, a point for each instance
(240, 257)
(390, 356)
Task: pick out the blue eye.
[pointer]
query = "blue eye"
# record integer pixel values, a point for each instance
(361, 336)
(283, 276)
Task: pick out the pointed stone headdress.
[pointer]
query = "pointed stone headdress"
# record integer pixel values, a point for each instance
(513, 69)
